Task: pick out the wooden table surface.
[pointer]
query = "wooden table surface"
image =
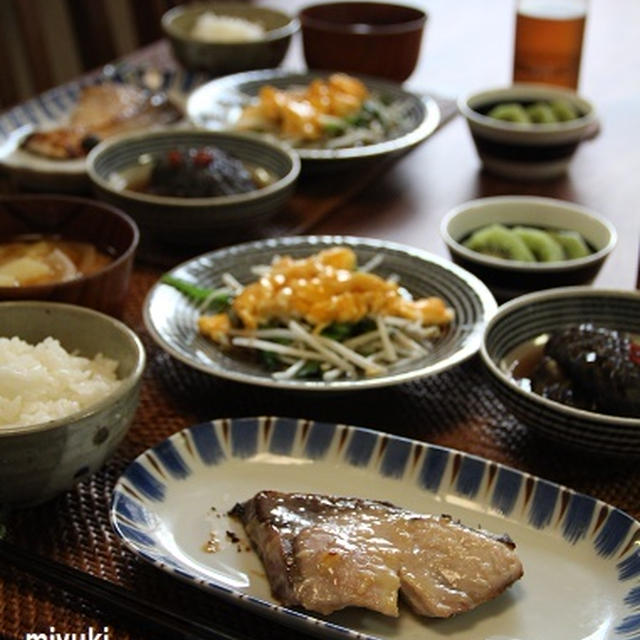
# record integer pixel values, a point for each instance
(468, 45)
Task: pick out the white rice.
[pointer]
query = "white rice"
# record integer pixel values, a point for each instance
(210, 27)
(45, 382)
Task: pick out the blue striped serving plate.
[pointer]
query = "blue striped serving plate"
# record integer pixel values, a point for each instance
(172, 318)
(52, 108)
(581, 556)
(528, 317)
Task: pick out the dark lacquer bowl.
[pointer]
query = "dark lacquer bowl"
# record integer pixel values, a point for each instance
(221, 58)
(510, 278)
(520, 327)
(79, 219)
(526, 151)
(370, 38)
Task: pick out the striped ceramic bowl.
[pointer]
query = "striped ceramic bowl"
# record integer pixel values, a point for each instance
(524, 319)
(116, 163)
(526, 151)
(172, 318)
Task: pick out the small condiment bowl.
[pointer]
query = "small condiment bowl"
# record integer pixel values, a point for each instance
(352, 36)
(80, 219)
(510, 278)
(220, 58)
(522, 322)
(42, 460)
(191, 221)
(526, 151)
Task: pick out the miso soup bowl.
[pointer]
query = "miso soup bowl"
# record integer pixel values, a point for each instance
(350, 36)
(81, 219)
(510, 278)
(39, 461)
(526, 151)
(529, 318)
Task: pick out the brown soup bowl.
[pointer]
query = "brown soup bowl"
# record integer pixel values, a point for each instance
(370, 38)
(77, 219)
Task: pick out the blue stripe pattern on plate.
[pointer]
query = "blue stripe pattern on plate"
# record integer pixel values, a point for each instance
(172, 460)
(131, 510)
(283, 436)
(470, 477)
(506, 490)
(578, 518)
(319, 440)
(395, 458)
(135, 534)
(433, 467)
(145, 482)
(361, 446)
(135, 521)
(207, 443)
(244, 437)
(613, 533)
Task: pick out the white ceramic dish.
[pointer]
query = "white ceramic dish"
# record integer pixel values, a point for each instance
(52, 109)
(581, 564)
(510, 278)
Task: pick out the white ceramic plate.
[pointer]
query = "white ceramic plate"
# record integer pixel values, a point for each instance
(172, 318)
(52, 109)
(218, 104)
(581, 557)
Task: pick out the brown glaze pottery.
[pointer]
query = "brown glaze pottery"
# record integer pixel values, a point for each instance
(80, 219)
(371, 38)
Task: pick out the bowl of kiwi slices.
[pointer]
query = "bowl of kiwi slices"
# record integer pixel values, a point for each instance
(526, 131)
(520, 244)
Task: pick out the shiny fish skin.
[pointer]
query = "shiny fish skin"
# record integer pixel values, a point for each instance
(325, 553)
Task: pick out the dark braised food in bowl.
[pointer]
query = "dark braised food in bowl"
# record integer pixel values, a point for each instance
(591, 368)
(201, 173)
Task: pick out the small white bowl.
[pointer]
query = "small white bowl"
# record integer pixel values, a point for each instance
(526, 151)
(39, 461)
(510, 278)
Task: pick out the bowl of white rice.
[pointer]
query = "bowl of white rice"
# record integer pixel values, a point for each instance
(69, 387)
(227, 37)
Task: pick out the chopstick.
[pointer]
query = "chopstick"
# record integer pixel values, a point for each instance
(116, 601)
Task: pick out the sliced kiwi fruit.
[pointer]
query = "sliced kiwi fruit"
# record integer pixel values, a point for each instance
(498, 241)
(510, 112)
(541, 113)
(572, 243)
(563, 110)
(540, 243)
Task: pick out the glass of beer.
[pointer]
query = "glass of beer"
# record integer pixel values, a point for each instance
(548, 42)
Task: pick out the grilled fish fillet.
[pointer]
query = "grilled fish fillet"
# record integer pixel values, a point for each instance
(102, 111)
(325, 553)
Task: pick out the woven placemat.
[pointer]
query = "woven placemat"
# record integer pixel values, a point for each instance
(456, 408)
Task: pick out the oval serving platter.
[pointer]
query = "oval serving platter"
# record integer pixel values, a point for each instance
(52, 109)
(218, 104)
(171, 318)
(581, 556)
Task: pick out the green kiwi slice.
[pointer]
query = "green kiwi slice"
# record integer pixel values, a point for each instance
(510, 112)
(563, 110)
(541, 113)
(572, 243)
(498, 241)
(540, 243)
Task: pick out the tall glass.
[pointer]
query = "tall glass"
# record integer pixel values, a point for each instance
(548, 42)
